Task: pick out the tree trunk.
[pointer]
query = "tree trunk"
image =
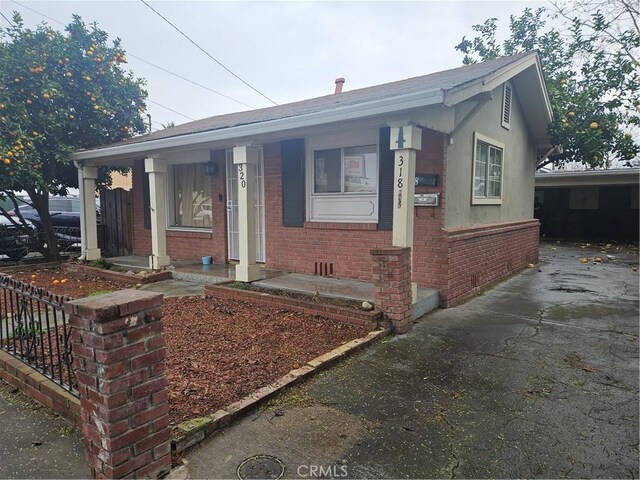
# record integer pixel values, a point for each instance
(40, 202)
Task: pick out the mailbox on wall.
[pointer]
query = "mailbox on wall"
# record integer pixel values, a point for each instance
(426, 199)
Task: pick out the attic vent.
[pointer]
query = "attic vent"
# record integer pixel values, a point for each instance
(506, 105)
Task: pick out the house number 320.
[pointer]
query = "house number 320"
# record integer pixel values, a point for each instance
(243, 182)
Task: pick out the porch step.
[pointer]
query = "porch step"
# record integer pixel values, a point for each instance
(199, 278)
(428, 300)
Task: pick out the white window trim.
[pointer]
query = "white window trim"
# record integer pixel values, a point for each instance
(169, 202)
(494, 143)
(340, 140)
(504, 124)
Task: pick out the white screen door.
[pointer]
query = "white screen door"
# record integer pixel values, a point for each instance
(232, 209)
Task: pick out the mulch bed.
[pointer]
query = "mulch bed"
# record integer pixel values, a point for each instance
(73, 284)
(219, 350)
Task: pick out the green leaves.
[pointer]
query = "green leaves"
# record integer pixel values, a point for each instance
(590, 69)
(61, 92)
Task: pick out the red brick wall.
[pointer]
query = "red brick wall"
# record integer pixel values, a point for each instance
(481, 256)
(429, 252)
(119, 359)
(391, 275)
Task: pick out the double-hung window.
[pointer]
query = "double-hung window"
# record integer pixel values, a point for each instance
(488, 168)
(343, 183)
(191, 197)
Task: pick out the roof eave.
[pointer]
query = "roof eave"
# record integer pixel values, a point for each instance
(351, 112)
(491, 81)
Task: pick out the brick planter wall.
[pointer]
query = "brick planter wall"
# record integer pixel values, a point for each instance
(119, 276)
(341, 314)
(42, 389)
(392, 285)
(119, 352)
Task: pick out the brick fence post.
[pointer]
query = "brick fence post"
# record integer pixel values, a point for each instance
(392, 285)
(119, 358)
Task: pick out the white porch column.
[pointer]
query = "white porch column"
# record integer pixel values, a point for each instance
(406, 140)
(88, 223)
(157, 168)
(247, 159)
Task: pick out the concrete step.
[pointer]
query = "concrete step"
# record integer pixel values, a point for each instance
(198, 278)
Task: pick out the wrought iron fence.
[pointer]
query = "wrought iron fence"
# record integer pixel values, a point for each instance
(35, 329)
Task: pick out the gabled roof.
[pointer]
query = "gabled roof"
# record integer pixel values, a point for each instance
(448, 87)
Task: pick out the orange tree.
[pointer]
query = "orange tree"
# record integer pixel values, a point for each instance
(59, 92)
(591, 72)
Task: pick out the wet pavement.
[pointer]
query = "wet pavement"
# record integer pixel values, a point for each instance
(34, 442)
(537, 378)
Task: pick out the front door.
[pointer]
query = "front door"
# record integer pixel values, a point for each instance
(232, 209)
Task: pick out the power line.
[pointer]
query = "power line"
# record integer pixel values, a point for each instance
(190, 81)
(170, 109)
(207, 53)
(39, 13)
(61, 23)
(9, 21)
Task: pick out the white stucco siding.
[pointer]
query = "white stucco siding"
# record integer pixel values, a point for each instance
(518, 164)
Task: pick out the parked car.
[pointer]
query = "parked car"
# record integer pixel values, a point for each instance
(14, 241)
(65, 216)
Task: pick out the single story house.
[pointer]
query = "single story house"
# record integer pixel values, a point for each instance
(588, 204)
(442, 163)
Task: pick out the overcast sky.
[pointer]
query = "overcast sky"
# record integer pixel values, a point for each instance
(288, 50)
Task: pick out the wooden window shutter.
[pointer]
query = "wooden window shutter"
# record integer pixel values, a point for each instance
(146, 200)
(293, 181)
(385, 182)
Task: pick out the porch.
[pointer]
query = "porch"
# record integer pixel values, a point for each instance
(427, 299)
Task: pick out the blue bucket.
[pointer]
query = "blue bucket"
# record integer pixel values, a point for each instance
(207, 260)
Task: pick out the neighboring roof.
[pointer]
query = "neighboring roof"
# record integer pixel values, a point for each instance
(448, 87)
(562, 178)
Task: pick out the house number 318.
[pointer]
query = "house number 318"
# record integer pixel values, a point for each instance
(400, 164)
(243, 182)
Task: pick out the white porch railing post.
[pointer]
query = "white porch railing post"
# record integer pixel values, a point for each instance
(406, 140)
(247, 158)
(157, 169)
(88, 221)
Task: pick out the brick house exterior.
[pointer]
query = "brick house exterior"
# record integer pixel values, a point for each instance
(466, 243)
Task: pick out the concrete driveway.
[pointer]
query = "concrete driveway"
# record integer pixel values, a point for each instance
(536, 378)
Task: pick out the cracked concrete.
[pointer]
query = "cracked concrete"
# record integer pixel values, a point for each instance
(537, 378)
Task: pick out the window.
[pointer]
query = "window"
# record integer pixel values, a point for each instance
(346, 170)
(507, 97)
(343, 179)
(487, 170)
(191, 196)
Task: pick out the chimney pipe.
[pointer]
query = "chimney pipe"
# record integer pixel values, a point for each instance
(339, 84)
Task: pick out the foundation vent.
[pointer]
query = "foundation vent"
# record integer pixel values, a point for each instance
(475, 278)
(323, 269)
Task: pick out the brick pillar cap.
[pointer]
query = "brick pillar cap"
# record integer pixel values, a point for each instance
(113, 305)
(390, 250)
